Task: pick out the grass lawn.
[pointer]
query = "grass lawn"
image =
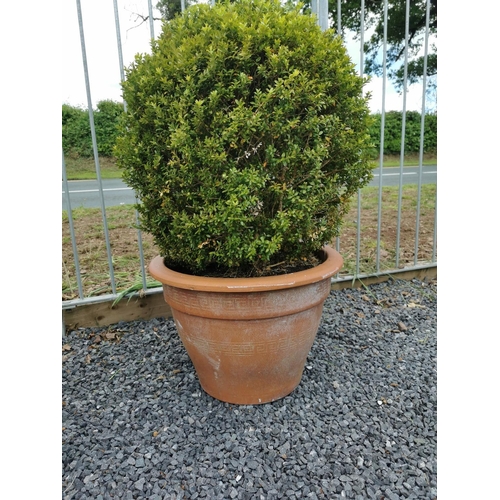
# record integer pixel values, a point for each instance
(84, 168)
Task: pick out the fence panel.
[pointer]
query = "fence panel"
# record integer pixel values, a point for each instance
(366, 254)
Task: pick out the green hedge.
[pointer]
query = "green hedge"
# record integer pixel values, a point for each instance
(392, 132)
(77, 140)
(76, 136)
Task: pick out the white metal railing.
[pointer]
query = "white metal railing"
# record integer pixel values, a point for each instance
(320, 9)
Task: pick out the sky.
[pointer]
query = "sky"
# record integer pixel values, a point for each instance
(103, 62)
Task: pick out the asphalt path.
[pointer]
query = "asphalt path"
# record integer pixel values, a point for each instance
(116, 192)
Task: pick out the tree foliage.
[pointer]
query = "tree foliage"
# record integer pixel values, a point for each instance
(350, 13)
(171, 8)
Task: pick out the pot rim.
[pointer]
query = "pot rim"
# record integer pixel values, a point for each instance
(331, 265)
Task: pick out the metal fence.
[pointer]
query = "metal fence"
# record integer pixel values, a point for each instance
(357, 236)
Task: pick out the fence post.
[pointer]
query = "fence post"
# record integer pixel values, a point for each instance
(382, 131)
(320, 9)
(94, 145)
(422, 129)
(403, 130)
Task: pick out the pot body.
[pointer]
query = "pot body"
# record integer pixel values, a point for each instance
(248, 343)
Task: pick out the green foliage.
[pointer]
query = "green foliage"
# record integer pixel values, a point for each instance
(76, 136)
(77, 140)
(171, 8)
(350, 14)
(392, 132)
(245, 136)
(106, 125)
(76, 131)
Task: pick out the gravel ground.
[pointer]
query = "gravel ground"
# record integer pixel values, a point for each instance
(361, 424)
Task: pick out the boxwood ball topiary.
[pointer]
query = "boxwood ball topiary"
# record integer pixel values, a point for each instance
(245, 135)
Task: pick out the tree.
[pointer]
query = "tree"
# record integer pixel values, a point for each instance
(350, 14)
(170, 8)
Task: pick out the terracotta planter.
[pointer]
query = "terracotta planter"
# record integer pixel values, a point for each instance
(248, 338)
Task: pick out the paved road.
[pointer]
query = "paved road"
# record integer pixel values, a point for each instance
(390, 176)
(116, 192)
(86, 193)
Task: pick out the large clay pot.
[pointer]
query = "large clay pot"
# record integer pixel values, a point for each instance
(248, 338)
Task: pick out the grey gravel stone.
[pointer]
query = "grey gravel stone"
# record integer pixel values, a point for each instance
(361, 424)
